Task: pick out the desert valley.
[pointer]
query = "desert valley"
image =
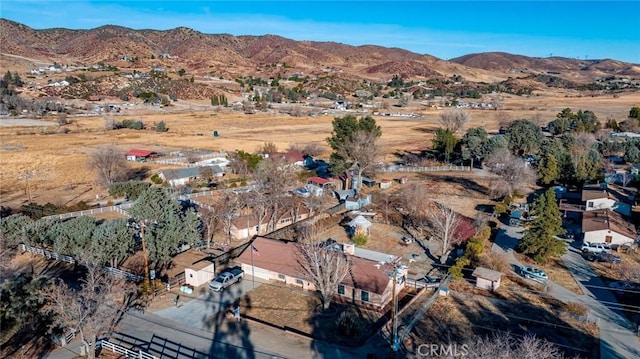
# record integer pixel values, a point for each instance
(456, 201)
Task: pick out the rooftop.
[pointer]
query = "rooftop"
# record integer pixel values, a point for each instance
(280, 257)
(605, 219)
(486, 273)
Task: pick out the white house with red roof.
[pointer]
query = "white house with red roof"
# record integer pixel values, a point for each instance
(139, 155)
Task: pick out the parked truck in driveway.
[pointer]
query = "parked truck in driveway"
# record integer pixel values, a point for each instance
(226, 278)
(595, 247)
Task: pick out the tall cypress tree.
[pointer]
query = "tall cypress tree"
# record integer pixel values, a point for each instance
(539, 241)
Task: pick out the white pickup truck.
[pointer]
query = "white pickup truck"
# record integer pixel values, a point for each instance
(596, 247)
(226, 278)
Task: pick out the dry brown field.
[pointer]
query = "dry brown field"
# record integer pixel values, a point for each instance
(57, 161)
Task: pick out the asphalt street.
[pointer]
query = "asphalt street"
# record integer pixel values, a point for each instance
(617, 337)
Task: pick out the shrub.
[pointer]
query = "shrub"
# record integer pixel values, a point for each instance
(495, 261)
(156, 179)
(348, 324)
(484, 234)
(360, 239)
(456, 269)
(576, 308)
(500, 208)
(136, 125)
(161, 127)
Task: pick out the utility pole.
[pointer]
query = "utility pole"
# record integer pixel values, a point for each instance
(394, 313)
(147, 282)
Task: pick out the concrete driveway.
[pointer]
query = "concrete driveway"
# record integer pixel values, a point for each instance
(197, 312)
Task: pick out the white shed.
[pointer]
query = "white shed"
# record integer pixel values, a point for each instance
(199, 273)
(487, 278)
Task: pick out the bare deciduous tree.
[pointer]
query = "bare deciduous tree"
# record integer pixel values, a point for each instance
(496, 101)
(323, 267)
(110, 165)
(109, 123)
(386, 201)
(506, 346)
(454, 119)
(361, 151)
(94, 309)
(227, 207)
(403, 100)
(503, 119)
(629, 271)
(311, 149)
(414, 211)
(513, 174)
(267, 148)
(444, 221)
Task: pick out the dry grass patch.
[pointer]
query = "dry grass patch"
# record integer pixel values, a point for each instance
(460, 317)
(291, 309)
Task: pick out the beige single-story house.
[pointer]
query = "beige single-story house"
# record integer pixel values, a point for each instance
(369, 283)
(183, 176)
(607, 226)
(247, 226)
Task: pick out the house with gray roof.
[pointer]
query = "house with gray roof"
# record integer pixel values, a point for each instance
(184, 176)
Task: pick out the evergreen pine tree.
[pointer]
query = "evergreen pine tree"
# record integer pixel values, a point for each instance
(548, 170)
(539, 241)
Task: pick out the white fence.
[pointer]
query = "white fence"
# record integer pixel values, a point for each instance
(45, 253)
(120, 208)
(105, 344)
(425, 169)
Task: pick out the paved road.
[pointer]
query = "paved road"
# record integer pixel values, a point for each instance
(199, 333)
(617, 339)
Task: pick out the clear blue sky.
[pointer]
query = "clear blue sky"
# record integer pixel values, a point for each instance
(584, 29)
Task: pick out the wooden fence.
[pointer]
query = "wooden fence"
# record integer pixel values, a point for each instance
(128, 353)
(449, 168)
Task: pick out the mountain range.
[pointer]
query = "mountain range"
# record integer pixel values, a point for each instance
(231, 56)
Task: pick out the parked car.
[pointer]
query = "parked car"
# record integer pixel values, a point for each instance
(595, 247)
(226, 278)
(625, 286)
(607, 258)
(533, 273)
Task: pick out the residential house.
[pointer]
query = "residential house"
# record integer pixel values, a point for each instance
(184, 176)
(248, 225)
(605, 225)
(369, 282)
(609, 196)
(139, 155)
(317, 185)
